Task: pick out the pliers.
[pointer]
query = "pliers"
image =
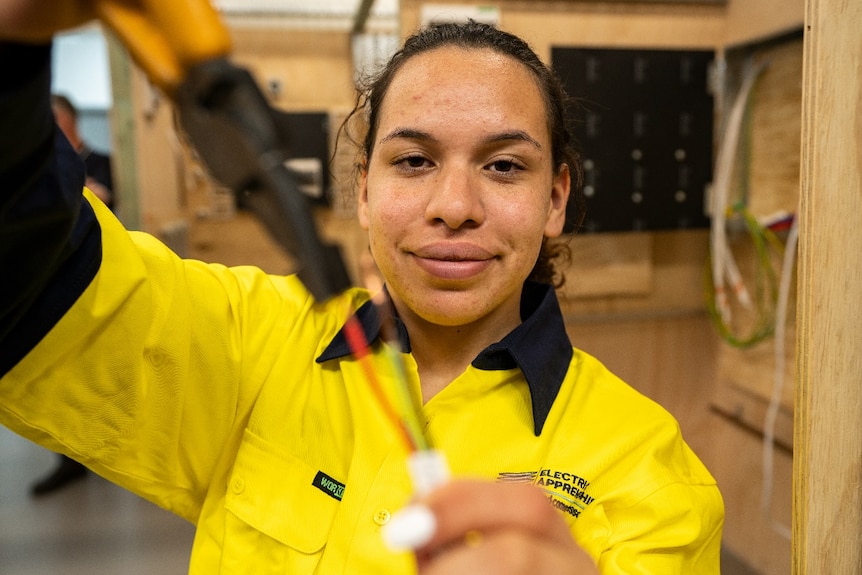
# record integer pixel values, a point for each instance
(183, 47)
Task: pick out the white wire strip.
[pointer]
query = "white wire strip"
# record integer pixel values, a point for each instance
(724, 268)
(787, 267)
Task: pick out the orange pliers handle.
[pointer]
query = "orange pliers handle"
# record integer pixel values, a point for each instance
(167, 37)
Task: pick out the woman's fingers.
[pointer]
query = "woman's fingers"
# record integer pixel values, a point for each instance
(484, 527)
(505, 552)
(25, 20)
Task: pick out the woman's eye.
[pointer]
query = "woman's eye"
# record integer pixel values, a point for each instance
(411, 162)
(504, 166)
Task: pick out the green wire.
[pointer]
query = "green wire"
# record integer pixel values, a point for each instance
(765, 281)
(765, 277)
(410, 407)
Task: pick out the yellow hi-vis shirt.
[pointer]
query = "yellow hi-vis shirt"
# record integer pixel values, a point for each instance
(227, 396)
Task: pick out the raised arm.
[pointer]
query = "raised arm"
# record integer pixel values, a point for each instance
(49, 239)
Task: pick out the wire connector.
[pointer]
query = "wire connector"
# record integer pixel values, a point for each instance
(428, 469)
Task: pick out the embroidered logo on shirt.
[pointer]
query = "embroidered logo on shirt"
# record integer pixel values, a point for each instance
(328, 485)
(566, 491)
(517, 476)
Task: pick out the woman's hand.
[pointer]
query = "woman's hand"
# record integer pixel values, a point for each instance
(28, 21)
(496, 528)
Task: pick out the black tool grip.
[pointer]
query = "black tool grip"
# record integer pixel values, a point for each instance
(243, 144)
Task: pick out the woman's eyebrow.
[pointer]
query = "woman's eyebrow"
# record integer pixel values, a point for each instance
(518, 135)
(414, 134)
(407, 134)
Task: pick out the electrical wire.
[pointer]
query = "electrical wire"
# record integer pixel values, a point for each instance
(359, 347)
(426, 466)
(765, 289)
(788, 265)
(405, 416)
(724, 270)
(723, 276)
(409, 403)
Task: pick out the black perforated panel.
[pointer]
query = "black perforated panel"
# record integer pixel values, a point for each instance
(645, 128)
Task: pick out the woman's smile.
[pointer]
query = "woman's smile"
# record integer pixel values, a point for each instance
(453, 261)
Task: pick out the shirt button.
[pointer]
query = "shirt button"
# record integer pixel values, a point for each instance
(382, 516)
(237, 485)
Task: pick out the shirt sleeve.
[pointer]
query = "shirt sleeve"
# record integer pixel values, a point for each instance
(49, 237)
(675, 530)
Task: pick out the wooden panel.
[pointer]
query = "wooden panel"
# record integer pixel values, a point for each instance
(600, 24)
(753, 532)
(737, 403)
(776, 116)
(749, 20)
(828, 437)
(313, 67)
(752, 371)
(610, 264)
(674, 275)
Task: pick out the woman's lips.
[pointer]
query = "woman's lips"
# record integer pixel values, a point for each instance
(453, 261)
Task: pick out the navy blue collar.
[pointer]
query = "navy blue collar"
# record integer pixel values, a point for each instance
(539, 346)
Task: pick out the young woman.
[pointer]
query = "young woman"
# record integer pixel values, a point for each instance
(230, 397)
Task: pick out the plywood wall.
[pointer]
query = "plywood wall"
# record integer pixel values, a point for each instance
(828, 463)
(313, 68)
(749, 20)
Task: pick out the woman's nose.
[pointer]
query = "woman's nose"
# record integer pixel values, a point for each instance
(455, 199)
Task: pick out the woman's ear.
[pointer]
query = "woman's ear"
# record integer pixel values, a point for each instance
(559, 198)
(362, 197)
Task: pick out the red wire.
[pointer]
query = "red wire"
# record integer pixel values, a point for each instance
(358, 344)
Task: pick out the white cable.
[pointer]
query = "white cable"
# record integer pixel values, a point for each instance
(724, 268)
(778, 382)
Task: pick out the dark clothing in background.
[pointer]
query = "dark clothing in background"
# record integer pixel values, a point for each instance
(98, 167)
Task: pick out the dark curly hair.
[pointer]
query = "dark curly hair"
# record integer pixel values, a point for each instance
(475, 35)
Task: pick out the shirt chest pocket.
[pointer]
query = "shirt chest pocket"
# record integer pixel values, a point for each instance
(276, 518)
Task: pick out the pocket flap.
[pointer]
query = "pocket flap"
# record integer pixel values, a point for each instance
(272, 491)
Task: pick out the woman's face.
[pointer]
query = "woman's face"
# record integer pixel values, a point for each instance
(459, 189)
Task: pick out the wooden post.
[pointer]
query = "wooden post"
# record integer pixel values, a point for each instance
(123, 122)
(827, 498)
